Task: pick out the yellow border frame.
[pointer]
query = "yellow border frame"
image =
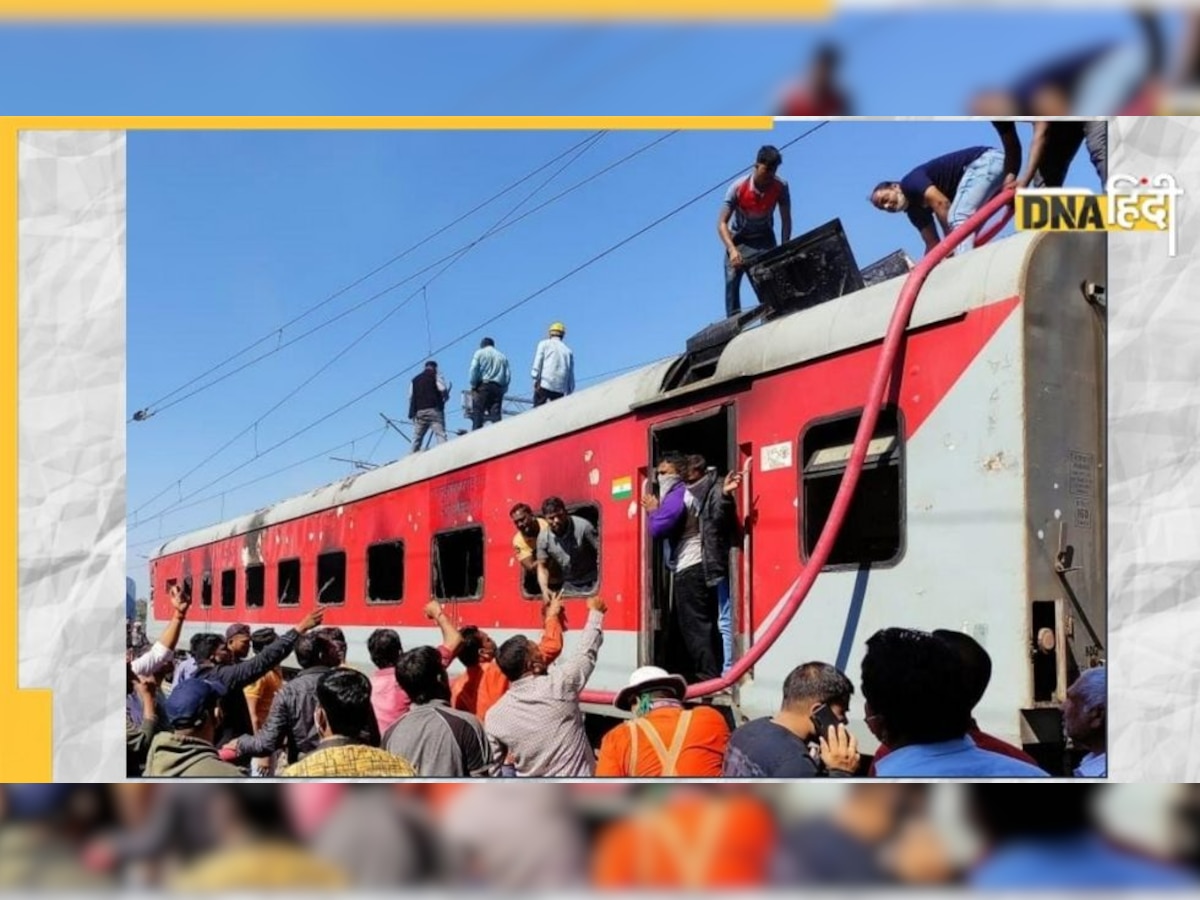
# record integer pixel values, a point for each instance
(29, 758)
(455, 11)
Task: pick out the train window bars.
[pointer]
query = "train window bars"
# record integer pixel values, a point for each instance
(206, 590)
(331, 578)
(458, 564)
(873, 531)
(256, 585)
(288, 580)
(385, 572)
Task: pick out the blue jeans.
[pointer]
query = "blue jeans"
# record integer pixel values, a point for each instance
(750, 247)
(1112, 81)
(980, 182)
(725, 623)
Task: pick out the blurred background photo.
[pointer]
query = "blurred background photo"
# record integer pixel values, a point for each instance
(679, 838)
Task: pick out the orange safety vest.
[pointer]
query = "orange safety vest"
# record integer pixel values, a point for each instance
(692, 855)
(668, 757)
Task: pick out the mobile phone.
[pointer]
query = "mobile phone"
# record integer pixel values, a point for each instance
(824, 718)
(185, 593)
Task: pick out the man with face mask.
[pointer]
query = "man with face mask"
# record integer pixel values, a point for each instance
(698, 524)
(665, 512)
(668, 521)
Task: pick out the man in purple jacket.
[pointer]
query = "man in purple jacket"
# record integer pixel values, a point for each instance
(665, 513)
(674, 521)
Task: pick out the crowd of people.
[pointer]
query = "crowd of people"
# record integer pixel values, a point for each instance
(325, 836)
(225, 711)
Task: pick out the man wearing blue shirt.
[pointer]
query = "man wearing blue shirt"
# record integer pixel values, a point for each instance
(918, 704)
(553, 367)
(489, 378)
(1056, 845)
(950, 188)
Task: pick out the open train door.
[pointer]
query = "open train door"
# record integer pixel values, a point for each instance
(711, 433)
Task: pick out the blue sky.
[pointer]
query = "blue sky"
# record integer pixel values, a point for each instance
(899, 63)
(233, 233)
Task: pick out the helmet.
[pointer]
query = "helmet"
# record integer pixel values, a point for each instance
(558, 328)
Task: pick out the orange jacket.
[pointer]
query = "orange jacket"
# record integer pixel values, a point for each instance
(477, 690)
(724, 839)
(638, 748)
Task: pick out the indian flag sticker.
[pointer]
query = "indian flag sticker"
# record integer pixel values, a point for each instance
(622, 488)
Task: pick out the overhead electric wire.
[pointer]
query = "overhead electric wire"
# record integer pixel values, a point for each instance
(382, 431)
(504, 312)
(399, 256)
(364, 335)
(155, 409)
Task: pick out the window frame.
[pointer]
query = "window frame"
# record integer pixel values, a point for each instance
(433, 558)
(299, 581)
(571, 510)
(371, 601)
(335, 551)
(233, 604)
(262, 599)
(901, 465)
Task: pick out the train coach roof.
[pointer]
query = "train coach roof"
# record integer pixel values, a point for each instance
(958, 285)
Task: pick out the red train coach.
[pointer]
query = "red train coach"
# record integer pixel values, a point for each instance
(980, 508)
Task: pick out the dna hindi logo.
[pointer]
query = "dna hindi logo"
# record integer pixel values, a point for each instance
(1129, 203)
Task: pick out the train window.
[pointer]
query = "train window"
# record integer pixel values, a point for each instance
(873, 530)
(529, 581)
(385, 572)
(171, 582)
(229, 587)
(331, 577)
(288, 581)
(256, 585)
(206, 589)
(458, 564)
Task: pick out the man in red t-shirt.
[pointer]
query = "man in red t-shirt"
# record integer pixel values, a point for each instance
(976, 673)
(746, 224)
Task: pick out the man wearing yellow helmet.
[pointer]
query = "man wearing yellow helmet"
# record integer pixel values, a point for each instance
(553, 367)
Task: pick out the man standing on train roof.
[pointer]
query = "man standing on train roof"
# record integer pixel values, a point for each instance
(489, 377)
(553, 367)
(427, 396)
(750, 205)
(952, 188)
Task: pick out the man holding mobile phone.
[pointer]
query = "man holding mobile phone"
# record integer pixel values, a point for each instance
(816, 699)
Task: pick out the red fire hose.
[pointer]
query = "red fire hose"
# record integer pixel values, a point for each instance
(866, 429)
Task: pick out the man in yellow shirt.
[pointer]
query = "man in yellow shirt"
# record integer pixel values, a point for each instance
(529, 526)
